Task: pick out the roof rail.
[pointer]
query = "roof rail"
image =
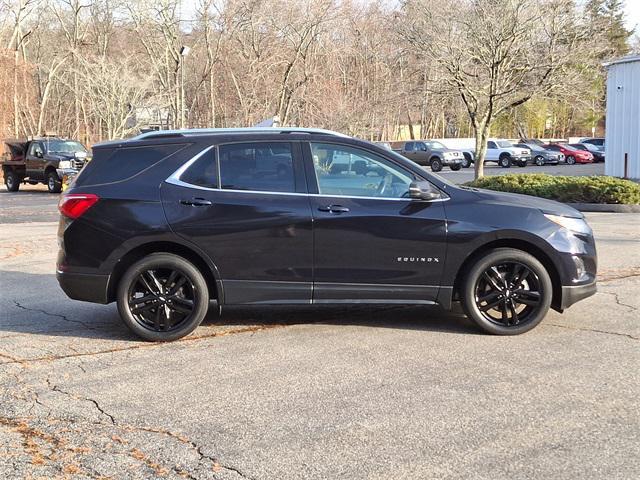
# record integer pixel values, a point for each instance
(211, 131)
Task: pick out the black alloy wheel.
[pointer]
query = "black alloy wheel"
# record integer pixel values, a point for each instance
(162, 297)
(539, 160)
(507, 292)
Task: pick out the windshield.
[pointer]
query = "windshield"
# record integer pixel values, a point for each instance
(437, 145)
(64, 146)
(504, 144)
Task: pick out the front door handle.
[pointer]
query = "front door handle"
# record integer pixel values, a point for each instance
(334, 209)
(196, 202)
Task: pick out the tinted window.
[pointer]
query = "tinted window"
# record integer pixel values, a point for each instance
(410, 146)
(343, 170)
(110, 165)
(491, 145)
(35, 147)
(203, 172)
(555, 148)
(266, 167)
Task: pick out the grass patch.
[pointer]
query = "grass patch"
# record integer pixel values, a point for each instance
(597, 189)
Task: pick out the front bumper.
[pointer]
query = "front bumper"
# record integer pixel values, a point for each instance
(69, 172)
(452, 161)
(87, 287)
(575, 293)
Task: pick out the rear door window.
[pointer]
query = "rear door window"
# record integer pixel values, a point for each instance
(114, 165)
(259, 166)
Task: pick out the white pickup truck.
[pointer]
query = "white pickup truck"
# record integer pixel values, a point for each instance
(505, 154)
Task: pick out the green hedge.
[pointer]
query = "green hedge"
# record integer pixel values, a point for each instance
(598, 189)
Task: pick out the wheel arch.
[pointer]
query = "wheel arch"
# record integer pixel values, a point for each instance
(518, 244)
(133, 255)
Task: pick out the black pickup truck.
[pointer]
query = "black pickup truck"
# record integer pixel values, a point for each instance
(41, 160)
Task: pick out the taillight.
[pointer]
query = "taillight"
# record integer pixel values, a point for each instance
(75, 204)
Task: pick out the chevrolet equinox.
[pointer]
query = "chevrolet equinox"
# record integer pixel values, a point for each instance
(167, 222)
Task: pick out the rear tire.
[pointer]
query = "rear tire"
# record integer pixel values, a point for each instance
(436, 165)
(11, 181)
(162, 297)
(54, 185)
(501, 298)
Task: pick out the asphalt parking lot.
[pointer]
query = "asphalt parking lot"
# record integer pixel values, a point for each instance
(289, 393)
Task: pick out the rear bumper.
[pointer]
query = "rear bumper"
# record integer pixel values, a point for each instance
(574, 294)
(87, 287)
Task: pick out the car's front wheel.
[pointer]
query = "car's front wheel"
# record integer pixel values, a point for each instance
(455, 167)
(54, 185)
(505, 161)
(539, 160)
(507, 292)
(436, 165)
(162, 297)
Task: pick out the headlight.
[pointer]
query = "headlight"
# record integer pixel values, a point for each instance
(64, 164)
(449, 155)
(574, 224)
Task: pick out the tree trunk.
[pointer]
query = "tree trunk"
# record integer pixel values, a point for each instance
(481, 134)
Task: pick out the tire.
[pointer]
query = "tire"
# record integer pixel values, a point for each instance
(505, 161)
(164, 316)
(539, 161)
(436, 165)
(54, 185)
(11, 181)
(456, 167)
(498, 311)
(466, 161)
(522, 163)
(571, 160)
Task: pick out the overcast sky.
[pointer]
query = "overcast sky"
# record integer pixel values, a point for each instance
(633, 14)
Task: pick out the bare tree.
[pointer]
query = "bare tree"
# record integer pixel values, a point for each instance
(494, 54)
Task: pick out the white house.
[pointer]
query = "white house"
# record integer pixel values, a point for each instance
(622, 142)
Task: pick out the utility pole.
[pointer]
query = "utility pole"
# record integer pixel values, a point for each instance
(184, 51)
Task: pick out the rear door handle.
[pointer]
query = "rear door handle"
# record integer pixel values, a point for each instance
(196, 202)
(334, 209)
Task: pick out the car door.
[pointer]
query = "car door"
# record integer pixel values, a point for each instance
(245, 205)
(371, 242)
(424, 153)
(492, 151)
(34, 161)
(409, 151)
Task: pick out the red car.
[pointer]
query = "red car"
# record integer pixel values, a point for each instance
(571, 154)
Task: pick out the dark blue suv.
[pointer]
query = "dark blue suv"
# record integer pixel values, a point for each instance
(168, 222)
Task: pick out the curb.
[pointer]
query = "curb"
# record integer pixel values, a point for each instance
(605, 207)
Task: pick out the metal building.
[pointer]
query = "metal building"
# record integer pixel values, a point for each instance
(622, 142)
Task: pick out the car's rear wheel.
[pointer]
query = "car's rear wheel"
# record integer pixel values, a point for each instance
(12, 181)
(507, 292)
(505, 161)
(571, 160)
(162, 297)
(54, 185)
(539, 160)
(436, 165)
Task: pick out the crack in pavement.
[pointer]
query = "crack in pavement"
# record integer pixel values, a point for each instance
(593, 330)
(63, 317)
(617, 299)
(50, 358)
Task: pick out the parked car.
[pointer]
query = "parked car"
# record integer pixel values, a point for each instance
(167, 222)
(429, 153)
(542, 156)
(42, 160)
(571, 155)
(505, 154)
(597, 152)
(598, 141)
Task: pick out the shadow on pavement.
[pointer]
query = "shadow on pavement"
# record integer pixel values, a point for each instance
(39, 307)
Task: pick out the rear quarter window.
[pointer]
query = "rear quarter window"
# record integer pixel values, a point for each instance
(110, 165)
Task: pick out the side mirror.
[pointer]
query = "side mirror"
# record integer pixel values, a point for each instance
(423, 190)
